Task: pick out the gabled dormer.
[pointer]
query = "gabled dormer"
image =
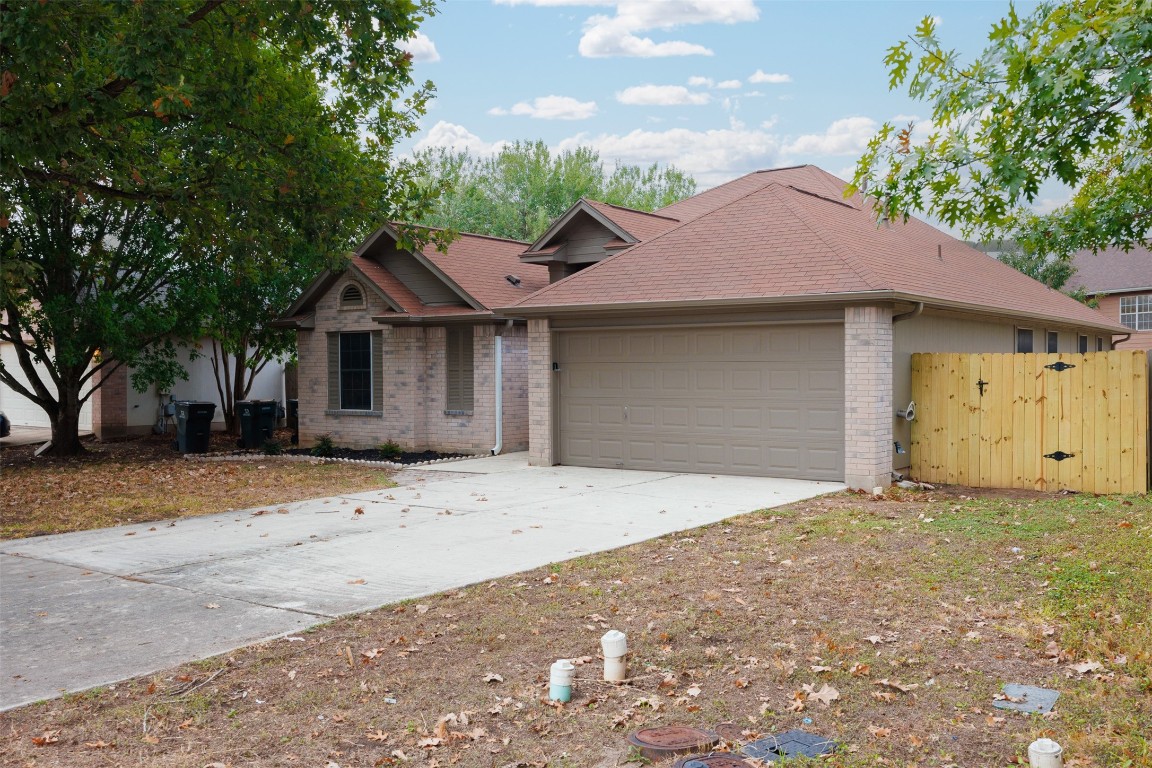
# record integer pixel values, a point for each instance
(589, 232)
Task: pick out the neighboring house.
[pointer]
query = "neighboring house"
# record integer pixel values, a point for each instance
(404, 345)
(763, 327)
(1121, 284)
(115, 409)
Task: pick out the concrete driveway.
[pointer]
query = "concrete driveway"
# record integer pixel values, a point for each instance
(90, 608)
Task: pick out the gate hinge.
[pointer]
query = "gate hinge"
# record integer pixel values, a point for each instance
(1059, 455)
(1060, 365)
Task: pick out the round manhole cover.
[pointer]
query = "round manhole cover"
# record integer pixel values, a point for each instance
(711, 761)
(659, 743)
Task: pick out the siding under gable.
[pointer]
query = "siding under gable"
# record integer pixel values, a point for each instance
(415, 276)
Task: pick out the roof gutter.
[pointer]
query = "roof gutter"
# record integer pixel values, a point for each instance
(819, 299)
(909, 315)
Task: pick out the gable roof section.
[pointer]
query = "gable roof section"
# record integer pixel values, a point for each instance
(791, 235)
(1112, 270)
(626, 224)
(474, 266)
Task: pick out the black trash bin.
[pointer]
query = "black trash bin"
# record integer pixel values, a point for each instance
(294, 420)
(194, 425)
(257, 422)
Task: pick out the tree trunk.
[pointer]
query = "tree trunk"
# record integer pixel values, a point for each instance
(66, 423)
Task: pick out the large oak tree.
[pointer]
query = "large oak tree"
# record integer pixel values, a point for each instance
(163, 163)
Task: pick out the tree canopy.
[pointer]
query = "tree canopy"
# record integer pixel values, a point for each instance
(253, 140)
(519, 191)
(1062, 94)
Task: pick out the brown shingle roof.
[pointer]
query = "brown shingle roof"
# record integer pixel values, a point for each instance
(479, 264)
(1112, 270)
(791, 233)
(640, 224)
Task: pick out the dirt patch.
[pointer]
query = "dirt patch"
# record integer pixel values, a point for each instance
(888, 624)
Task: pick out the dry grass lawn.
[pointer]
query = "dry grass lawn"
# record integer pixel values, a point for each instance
(888, 624)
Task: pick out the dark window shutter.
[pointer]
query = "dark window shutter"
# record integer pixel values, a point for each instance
(377, 370)
(333, 371)
(459, 354)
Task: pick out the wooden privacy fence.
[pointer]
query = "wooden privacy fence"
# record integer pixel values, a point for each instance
(1049, 422)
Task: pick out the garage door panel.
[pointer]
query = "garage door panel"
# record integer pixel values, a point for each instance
(757, 400)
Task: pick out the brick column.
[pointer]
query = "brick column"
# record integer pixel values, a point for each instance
(110, 404)
(868, 403)
(540, 405)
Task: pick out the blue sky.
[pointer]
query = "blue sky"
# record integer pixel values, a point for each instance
(717, 88)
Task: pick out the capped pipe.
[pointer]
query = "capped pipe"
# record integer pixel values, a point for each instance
(1045, 753)
(560, 681)
(615, 646)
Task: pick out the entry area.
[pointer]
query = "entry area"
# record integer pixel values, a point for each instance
(763, 400)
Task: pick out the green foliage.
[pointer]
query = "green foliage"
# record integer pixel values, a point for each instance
(390, 449)
(518, 192)
(325, 447)
(246, 145)
(1063, 94)
(272, 448)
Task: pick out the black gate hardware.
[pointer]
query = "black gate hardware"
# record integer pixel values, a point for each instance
(1059, 455)
(981, 384)
(1060, 365)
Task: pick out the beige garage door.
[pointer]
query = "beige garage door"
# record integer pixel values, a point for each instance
(747, 400)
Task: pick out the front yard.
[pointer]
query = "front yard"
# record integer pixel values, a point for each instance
(887, 624)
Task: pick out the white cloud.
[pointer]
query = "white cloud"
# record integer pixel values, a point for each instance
(660, 95)
(707, 82)
(846, 136)
(775, 78)
(457, 137)
(550, 108)
(712, 157)
(619, 35)
(421, 47)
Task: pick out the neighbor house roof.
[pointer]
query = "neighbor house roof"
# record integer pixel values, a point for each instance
(1112, 270)
(791, 235)
(474, 266)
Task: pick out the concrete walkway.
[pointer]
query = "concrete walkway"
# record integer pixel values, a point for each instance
(90, 608)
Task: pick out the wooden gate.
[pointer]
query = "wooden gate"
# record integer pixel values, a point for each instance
(1049, 422)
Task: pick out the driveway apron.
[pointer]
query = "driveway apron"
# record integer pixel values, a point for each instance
(84, 609)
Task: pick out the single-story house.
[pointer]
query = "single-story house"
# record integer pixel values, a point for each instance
(405, 346)
(762, 327)
(1121, 284)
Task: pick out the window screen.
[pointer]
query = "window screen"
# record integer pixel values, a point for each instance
(459, 365)
(356, 371)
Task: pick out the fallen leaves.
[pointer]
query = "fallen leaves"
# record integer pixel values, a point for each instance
(1085, 667)
(46, 738)
(492, 677)
(826, 695)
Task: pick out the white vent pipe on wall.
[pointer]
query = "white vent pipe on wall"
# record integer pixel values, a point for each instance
(498, 356)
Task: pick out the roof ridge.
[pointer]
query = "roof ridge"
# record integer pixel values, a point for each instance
(850, 259)
(634, 210)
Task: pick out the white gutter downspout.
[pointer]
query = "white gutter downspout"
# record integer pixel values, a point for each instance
(909, 315)
(498, 356)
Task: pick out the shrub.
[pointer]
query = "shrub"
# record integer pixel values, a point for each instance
(273, 447)
(324, 447)
(390, 449)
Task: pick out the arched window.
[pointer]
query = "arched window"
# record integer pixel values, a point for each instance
(352, 297)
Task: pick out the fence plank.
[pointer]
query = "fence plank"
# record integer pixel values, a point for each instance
(1100, 425)
(1140, 421)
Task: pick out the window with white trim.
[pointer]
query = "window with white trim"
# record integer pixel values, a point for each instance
(1053, 341)
(1082, 346)
(1136, 312)
(1024, 340)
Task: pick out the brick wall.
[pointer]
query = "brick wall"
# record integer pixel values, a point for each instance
(540, 394)
(415, 387)
(110, 404)
(516, 388)
(868, 407)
